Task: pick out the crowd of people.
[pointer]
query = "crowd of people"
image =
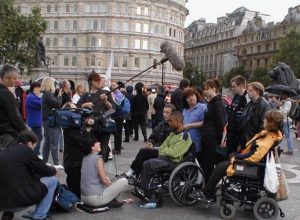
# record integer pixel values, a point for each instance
(191, 117)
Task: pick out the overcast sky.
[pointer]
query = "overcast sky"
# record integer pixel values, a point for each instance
(212, 9)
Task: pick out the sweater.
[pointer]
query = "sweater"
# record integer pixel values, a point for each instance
(175, 146)
(34, 110)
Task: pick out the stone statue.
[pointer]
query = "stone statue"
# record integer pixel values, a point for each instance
(40, 53)
(284, 75)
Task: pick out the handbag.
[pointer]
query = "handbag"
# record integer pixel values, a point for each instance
(64, 198)
(271, 182)
(283, 191)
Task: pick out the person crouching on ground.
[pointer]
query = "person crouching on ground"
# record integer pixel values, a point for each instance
(255, 151)
(25, 179)
(96, 188)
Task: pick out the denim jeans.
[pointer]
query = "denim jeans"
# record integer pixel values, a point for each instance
(50, 143)
(287, 134)
(43, 207)
(38, 132)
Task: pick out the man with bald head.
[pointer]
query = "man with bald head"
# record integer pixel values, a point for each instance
(11, 122)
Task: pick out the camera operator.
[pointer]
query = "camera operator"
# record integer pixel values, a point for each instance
(97, 100)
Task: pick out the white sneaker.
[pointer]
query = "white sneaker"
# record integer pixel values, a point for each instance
(110, 156)
(40, 156)
(59, 167)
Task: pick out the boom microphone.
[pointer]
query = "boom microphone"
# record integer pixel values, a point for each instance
(172, 55)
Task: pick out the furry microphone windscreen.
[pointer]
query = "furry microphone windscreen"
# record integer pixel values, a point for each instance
(176, 61)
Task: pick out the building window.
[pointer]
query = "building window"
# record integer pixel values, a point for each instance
(118, 8)
(48, 8)
(138, 27)
(137, 62)
(75, 25)
(137, 44)
(125, 62)
(47, 42)
(75, 8)
(117, 42)
(138, 10)
(146, 11)
(98, 62)
(267, 47)
(258, 48)
(257, 62)
(55, 42)
(174, 33)
(93, 60)
(116, 61)
(95, 25)
(54, 60)
(154, 63)
(170, 32)
(146, 28)
(66, 61)
(55, 26)
(67, 25)
(102, 24)
(145, 44)
(93, 42)
(74, 42)
(275, 46)
(67, 7)
(67, 42)
(117, 26)
(74, 61)
(126, 26)
(56, 8)
(125, 43)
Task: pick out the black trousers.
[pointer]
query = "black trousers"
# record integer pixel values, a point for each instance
(139, 119)
(207, 156)
(143, 155)
(118, 133)
(103, 138)
(128, 128)
(73, 179)
(218, 173)
(151, 168)
(232, 142)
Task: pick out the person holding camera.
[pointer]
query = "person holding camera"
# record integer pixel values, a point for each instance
(98, 100)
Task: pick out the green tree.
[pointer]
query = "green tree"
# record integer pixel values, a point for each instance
(19, 35)
(289, 52)
(194, 74)
(261, 75)
(240, 70)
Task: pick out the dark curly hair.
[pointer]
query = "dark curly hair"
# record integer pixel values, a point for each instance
(87, 143)
(188, 92)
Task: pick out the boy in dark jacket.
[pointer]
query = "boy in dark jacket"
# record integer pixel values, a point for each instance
(25, 179)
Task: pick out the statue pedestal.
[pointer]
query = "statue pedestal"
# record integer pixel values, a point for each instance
(39, 72)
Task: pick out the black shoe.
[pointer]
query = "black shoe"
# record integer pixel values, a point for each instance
(115, 204)
(126, 140)
(139, 193)
(7, 216)
(135, 139)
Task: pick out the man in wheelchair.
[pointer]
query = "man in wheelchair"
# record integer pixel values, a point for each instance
(170, 153)
(255, 151)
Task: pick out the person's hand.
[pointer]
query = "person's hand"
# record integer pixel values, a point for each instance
(232, 159)
(186, 127)
(103, 97)
(149, 145)
(89, 105)
(223, 144)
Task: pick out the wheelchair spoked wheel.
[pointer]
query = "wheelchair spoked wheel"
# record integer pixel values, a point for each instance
(227, 211)
(185, 183)
(266, 208)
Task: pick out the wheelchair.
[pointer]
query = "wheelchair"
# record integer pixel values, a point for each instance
(246, 189)
(180, 181)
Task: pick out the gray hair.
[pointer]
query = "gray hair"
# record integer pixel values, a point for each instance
(7, 69)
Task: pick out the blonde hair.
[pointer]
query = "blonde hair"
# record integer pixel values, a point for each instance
(48, 85)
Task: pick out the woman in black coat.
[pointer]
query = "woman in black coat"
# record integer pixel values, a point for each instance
(213, 126)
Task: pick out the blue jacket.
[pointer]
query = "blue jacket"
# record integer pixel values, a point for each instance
(34, 110)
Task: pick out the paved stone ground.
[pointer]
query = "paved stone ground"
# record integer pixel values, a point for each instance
(172, 211)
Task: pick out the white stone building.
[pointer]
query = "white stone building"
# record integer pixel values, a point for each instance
(82, 34)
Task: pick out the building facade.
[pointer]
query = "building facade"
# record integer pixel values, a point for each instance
(259, 41)
(212, 46)
(81, 36)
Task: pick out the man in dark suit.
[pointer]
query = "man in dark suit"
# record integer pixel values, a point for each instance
(25, 179)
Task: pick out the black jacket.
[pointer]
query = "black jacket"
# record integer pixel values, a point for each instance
(160, 133)
(158, 106)
(139, 103)
(49, 102)
(252, 120)
(214, 119)
(176, 99)
(73, 153)
(11, 121)
(20, 172)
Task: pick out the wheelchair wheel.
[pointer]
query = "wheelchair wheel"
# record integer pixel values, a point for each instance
(185, 183)
(266, 208)
(227, 211)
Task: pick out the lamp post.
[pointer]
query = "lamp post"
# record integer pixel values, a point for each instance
(163, 69)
